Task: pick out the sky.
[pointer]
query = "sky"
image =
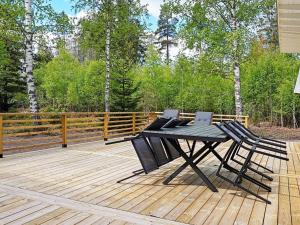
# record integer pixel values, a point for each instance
(153, 7)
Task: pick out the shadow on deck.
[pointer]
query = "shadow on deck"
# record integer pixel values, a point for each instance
(78, 186)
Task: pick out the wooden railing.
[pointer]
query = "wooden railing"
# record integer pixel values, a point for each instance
(26, 131)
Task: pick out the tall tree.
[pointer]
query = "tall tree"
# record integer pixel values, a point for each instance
(11, 44)
(35, 20)
(224, 33)
(108, 5)
(31, 89)
(112, 31)
(166, 30)
(104, 10)
(237, 17)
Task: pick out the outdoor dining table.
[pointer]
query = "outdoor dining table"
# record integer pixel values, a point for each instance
(210, 135)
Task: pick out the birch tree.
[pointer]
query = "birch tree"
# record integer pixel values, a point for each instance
(223, 30)
(31, 89)
(237, 18)
(105, 9)
(108, 5)
(111, 31)
(36, 19)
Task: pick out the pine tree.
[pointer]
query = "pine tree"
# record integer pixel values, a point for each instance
(166, 30)
(10, 56)
(114, 34)
(10, 83)
(125, 94)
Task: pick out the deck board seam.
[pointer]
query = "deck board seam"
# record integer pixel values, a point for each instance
(86, 207)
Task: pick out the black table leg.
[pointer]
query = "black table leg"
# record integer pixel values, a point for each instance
(190, 162)
(183, 166)
(211, 148)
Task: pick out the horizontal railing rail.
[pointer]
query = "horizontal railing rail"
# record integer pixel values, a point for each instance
(30, 131)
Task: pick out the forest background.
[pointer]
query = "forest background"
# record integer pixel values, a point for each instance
(108, 59)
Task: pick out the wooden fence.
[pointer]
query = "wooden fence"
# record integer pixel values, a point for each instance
(26, 131)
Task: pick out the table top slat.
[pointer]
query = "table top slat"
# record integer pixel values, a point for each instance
(193, 132)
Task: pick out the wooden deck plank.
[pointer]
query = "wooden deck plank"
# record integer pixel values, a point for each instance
(238, 203)
(78, 185)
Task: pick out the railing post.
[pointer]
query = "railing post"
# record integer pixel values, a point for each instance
(1, 137)
(247, 121)
(133, 123)
(105, 127)
(64, 125)
(152, 116)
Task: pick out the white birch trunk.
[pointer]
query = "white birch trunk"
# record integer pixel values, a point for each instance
(237, 89)
(31, 90)
(237, 74)
(294, 116)
(107, 72)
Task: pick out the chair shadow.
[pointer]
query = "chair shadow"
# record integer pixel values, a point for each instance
(189, 178)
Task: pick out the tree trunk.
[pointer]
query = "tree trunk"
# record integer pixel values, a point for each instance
(107, 74)
(281, 114)
(31, 89)
(294, 116)
(168, 49)
(236, 71)
(237, 89)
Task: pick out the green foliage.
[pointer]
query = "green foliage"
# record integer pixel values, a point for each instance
(66, 84)
(202, 82)
(268, 81)
(11, 86)
(166, 30)
(190, 86)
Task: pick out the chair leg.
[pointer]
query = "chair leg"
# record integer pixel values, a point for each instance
(254, 170)
(244, 189)
(253, 193)
(244, 176)
(254, 163)
(135, 173)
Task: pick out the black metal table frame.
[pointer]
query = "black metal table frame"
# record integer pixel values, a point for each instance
(193, 159)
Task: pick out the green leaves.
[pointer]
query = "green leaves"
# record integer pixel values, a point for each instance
(269, 80)
(66, 84)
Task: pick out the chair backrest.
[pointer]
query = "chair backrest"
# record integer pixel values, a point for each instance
(184, 122)
(171, 114)
(172, 123)
(170, 149)
(157, 123)
(155, 142)
(145, 154)
(236, 130)
(242, 127)
(228, 132)
(203, 118)
(159, 151)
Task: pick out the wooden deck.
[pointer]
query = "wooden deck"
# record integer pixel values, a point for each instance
(78, 185)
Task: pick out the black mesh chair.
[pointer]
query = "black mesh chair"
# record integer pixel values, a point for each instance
(243, 166)
(170, 114)
(151, 152)
(255, 137)
(203, 118)
(184, 122)
(170, 150)
(159, 151)
(145, 154)
(258, 142)
(259, 145)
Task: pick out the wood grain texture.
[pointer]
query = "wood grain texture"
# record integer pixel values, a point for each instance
(78, 185)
